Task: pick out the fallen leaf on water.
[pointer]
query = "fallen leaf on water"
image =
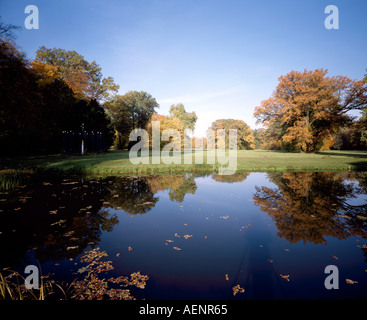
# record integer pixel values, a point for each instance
(286, 249)
(176, 248)
(169, 240)
(53, 211)
(224, 217)
(117, 254)
(186, 236)
(185, 224)
(176, 235)
(206, 237)
(72, 247)
(227, 277)
(129, 248)
(270, 260)
(286, 277)
(364, 246)
(237, 289)
(350, 281)
(335, 257)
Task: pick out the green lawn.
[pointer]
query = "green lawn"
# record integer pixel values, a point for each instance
(118, 162)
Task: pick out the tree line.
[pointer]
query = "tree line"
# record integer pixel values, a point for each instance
(60, 91)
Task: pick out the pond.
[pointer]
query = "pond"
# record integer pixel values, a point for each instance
(245, 236)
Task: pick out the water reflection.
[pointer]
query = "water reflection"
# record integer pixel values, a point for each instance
(60, 219)
(57, 220)
(309, 207)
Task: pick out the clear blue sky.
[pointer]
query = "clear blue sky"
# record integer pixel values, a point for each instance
(220, 58)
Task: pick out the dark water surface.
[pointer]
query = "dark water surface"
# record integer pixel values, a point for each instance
(197, 237)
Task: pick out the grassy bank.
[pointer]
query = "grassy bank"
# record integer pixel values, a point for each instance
(118, 163)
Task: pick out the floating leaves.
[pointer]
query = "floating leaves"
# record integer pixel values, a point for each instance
(72, 247)
(227, 276)
(176, 235)
(285, 277)
(224, 217)
(177, 248)
(186, 236)
(94, 288)
(237, 289)
(129, 248)
(350, 281)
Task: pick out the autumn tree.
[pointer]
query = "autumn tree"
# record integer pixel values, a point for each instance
(310, 106)
(36, 105)
(83, 77)
(167, 123)
(245, 136)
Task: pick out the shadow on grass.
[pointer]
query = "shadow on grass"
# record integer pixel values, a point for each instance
(359, 165)
(352, 154)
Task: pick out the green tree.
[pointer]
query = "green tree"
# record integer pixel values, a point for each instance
(130, 111)
(187, 118)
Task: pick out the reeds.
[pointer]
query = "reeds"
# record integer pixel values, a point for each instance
(12, 287)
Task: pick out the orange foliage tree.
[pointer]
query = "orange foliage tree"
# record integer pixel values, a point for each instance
(310, 106)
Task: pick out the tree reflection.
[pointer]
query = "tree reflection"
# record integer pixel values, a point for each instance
(310, 206)
(59, 219)
(133, 195)
(54, 220)
(178, 185)
(237, 177)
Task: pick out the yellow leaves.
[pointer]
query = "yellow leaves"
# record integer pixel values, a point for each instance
(186, 236)
(46, 72)
(177, 248)
(227, 277)
(169, 240)
(237, 289)
(224, 217)
(176, 235)
(335, 257)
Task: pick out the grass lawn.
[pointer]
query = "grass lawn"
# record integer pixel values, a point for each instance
(118, 162)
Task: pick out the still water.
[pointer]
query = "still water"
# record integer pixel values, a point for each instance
(198, 237)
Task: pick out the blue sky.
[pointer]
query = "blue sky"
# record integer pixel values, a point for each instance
(220, 58)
